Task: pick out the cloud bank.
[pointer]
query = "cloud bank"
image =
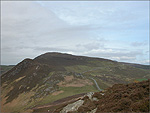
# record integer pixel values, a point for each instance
(95, 29)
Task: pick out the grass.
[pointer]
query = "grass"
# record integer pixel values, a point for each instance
(142, 79)
(78, 68)
(51, 73)
(5, 68)
(103, 71)
(68, 91)
(101, 83)
(18, 104)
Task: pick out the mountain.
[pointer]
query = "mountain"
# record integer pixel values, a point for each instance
(5, 68)
(53, 76)
(139, 66)
(118, 98)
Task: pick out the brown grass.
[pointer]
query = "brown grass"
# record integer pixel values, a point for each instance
(17, 103)
(57, 92)
(70, 81)
(69, 78)
(19, 79)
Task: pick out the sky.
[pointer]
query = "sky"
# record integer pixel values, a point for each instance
(116, 30)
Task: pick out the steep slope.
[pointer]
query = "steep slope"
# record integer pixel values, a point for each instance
(5, 68)
(119, 98)
(53, 76)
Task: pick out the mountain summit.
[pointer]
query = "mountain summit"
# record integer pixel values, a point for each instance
(53, 76)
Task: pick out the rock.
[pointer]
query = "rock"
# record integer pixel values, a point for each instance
(95, 99)
(93, 111)
(72, 107)
(90, 94)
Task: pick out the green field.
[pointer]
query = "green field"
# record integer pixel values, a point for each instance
(68, 91)
(142, 79)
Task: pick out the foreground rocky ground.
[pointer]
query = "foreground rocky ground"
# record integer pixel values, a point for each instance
(119, 98)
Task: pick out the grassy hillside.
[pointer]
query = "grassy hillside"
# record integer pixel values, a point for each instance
(53, 76)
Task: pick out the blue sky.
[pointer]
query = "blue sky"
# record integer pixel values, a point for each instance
(117, 30)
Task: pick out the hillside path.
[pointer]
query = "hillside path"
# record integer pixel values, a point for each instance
(92, 78)
(96, 84)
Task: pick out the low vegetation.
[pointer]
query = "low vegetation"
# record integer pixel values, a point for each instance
(118, 98)
(5, 68)
(53, 76)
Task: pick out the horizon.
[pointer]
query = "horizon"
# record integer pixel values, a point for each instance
(73, 55)
(115, 30)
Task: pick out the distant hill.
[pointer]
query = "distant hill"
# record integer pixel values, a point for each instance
(53, 76)
(139, 66)
(5, 68)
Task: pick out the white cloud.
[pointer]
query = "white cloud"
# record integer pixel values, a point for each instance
(26, 25)
(137, 44)
(81, 28)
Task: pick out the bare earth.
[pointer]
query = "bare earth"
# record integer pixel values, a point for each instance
(57, 92)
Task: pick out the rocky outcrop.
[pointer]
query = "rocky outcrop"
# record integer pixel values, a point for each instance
(72, 107)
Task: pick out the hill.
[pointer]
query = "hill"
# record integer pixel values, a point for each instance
(53, 76)
(118, 98)
(5, 68)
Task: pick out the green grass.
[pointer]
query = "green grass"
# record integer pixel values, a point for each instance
(51, 73)
(142, 79)
(101, 84)
(78, 68)
(78, 90)
(68, 91)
